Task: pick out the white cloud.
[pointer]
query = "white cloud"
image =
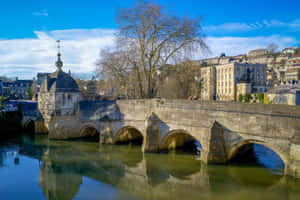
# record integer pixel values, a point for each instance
(242, 45)
(232, 27)
(236, 27)
(81, 48)
(41, 13)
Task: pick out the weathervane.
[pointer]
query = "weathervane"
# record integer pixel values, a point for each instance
(58, 45)
(58, 63)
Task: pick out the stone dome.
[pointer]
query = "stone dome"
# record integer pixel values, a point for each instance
(59, 81)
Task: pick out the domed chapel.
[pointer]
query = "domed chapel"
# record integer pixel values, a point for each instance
(59, 93)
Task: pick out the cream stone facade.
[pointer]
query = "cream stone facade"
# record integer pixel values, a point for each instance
(220, 81)
(229, 75)
(292, 74)
(258, 52)
(208, 75)
(285, 94)
(243, 89)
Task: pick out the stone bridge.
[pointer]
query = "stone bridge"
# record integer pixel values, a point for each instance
(31, 116)
(222, 129)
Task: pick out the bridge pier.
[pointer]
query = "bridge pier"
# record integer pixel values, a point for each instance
(293, 169)
(213, 147)
(106, 133)
(293, 166)
(40, 127)
(151, 142)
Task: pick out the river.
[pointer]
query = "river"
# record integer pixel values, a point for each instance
(36, 168)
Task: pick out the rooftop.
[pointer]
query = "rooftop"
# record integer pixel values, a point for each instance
(287, 88)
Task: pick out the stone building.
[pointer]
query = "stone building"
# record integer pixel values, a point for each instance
(18, 89)
(40, 79)
(292, 74)
(208, 75)
(243, 88)
(221, 81)
(294, 61)
(272, 77)
(258, 52)
(59, 94)
(289, 50)
(229, 75)
(285, 94)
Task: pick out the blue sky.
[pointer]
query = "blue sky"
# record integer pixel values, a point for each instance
(29, 29)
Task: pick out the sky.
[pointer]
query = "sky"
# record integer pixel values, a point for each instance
(29, 29)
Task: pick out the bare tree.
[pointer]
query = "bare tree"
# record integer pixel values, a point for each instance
(149, 37)
(179, 82)
(116, 66)
(272, 48)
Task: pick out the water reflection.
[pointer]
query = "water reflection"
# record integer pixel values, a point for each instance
(124, 171)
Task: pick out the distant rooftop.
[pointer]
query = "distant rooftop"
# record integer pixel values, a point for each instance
(287, 88)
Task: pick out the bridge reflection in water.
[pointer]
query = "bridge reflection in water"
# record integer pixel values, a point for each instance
(83, 170)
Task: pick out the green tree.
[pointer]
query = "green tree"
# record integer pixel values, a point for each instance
(30, 93)
(240, 97)
(260, 97)
(297, 51)
(1, 103)
(247, 97)
(222, 55)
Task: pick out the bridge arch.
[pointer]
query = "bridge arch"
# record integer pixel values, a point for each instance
(128, 134)
(29, 126)
(181, 138)
(237, 148)
(89, 130)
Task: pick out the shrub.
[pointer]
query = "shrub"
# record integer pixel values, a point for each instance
(247, 97)
(240, 97)
(266, 99)
(260, 97)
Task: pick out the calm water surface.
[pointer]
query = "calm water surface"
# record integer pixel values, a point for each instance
(41, 169)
